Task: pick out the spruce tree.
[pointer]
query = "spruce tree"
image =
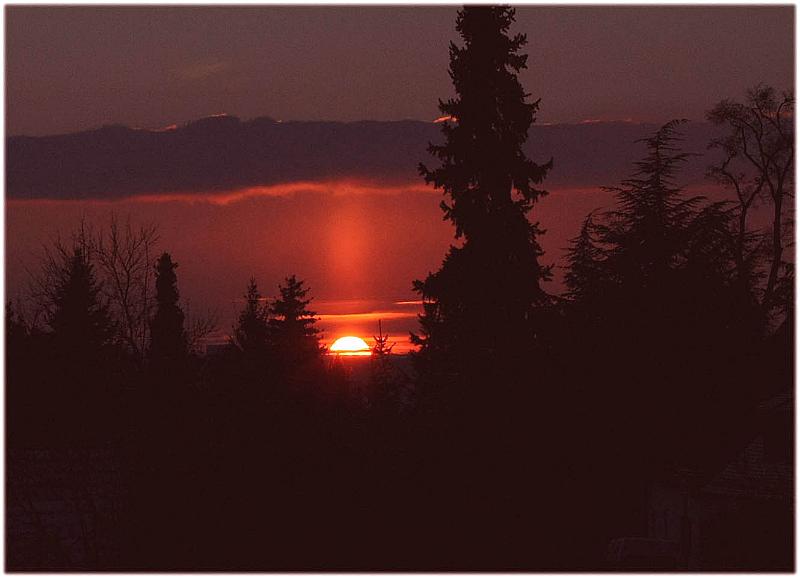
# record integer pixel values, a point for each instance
(251, 334)
(386, 386)
(295, 339)
(77, 398)
(78, 316)
(167, 334)
(480, 305)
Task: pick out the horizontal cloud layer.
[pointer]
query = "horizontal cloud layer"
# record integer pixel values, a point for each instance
(221, 154)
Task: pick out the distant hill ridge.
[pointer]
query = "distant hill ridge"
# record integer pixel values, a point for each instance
(223, 153)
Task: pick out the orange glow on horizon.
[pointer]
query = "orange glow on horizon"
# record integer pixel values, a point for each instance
(167, 128)
(368, 316)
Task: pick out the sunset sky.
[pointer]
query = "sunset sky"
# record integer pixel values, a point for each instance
(72, 68)
(341, 205)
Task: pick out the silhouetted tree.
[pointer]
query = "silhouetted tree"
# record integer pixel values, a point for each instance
(656, 333)
(387, 386)
(79, 391)
(659, 275)
(251, 333)
(484, 310)
(295, 339)
(198, 326)
(167, 335)
(647, 233)
(382, 347)
(478, 307)
(124, 255)
(664, 247)
(120, 259)
(79, 318)
(758, 160)
(585, 268)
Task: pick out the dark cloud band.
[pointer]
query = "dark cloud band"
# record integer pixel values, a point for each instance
(223, 154)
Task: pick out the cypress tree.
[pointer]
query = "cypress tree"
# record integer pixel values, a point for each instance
(167, 334)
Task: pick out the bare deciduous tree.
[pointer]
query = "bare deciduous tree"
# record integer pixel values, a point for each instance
(199, 326)
(121, 255)
(758, 160)
(124, 253)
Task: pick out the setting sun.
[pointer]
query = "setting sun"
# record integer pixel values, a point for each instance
(350, 345)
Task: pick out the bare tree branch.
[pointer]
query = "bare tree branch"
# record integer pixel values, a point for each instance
(123, 255)
(759, 133)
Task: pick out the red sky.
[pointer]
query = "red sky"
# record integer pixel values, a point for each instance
(359, 251)
(358, 242)
(358, 246)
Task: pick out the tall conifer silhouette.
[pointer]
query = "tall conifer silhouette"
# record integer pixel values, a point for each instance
(295, 338)
(79, 318)
(251, 334)
(658, 275)
(649, 232)
(78, 373)
(479, 305)
(167, 334)
(585, 271)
